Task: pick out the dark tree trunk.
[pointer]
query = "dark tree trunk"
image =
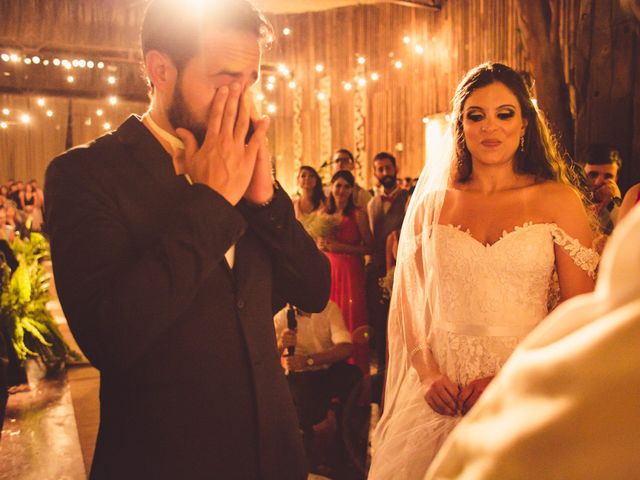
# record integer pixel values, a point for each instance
(607, 81)
(539, 24)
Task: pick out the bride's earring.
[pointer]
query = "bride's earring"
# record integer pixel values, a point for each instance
(522, 143)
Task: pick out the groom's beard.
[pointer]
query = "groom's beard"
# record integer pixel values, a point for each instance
(180, 116)
(388, 181)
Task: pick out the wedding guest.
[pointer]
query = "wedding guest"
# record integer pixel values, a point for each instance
(172, 246)
(601, 167)
(312, 198)
(317, 369)
(15, 221)
(386, 212)
(478, 250)
(343, 160)
(565, 404)
(345, 249)
(32, 207)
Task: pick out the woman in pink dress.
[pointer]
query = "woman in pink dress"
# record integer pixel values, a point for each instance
(345, 249)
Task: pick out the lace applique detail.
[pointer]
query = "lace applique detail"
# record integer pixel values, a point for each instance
(585, 258)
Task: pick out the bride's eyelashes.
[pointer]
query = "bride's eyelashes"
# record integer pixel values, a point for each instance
(506, 115)
(475, 116)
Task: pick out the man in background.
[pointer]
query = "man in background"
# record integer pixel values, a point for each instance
(343, 160)
(386, 212)
(601, 167)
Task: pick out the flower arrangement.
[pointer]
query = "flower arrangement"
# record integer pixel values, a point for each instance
(386, 283)
(27, 325)
(321, 225)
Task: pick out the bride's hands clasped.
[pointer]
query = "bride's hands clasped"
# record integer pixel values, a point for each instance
(442, 395)
(446, 398)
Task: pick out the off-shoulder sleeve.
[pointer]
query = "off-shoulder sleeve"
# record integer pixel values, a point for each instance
(584, 257)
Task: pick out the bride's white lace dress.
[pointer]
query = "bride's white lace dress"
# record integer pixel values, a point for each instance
(490, 298)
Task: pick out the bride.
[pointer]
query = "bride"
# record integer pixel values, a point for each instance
(490, 230)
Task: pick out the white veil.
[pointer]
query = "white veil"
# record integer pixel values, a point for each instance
(413, 305)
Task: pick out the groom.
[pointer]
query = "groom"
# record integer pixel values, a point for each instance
(172, 248)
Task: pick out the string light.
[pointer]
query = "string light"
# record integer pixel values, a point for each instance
(99, 112)
(375, 76)
(90, 64)
(271, 79)
(260, 96)
(425, 120)
(270, 87)
(14, 58)
(74, 63)
(70, 79)
(25, 118)
(348, 86)
(6, 111)
(5, 57)
(45, 62)
(27, 61)
(82, 63)
(35, 59)
(362, 81)
(319, 67)
(107, 126)
(286, 31)
(56, 62)
(292, 85)
(406, 39)
(419, 49)
(321, 96)
(40, 102)
(3, 125)
(361, 60)
(284, 70)
(111, 80)
(100, 65)
(271, 108)
(88, 122)
(397, 64)
(49, 113)
(113, 100)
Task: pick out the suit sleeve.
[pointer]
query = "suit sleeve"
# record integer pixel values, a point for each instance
(301, 272)
(118, 298)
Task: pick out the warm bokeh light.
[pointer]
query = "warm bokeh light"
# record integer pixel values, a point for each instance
(113, 100)
(270, 86)
(375, 76)
(271, 108)
(286, 31)
(6, 111)
(348, 86)
(321, 96)
(319, 67)
(25, 118)
(3, 125)
(292, 85)
(362, 60)
(49, 113)
(107, 126)
(99, 112)
(419, 49)
(397, 64)
(406, 39)
(70, 79)
(40, 102)
(111, 80)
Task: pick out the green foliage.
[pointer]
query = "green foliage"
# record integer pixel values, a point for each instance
(24, 318)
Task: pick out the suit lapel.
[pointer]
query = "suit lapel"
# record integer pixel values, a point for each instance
(147, 151)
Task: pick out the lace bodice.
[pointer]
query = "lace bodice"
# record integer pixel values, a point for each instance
(492, 296)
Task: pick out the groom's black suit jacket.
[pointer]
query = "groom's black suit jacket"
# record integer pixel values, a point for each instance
(191, 385)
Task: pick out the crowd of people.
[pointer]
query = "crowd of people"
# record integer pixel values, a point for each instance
(20, 208)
